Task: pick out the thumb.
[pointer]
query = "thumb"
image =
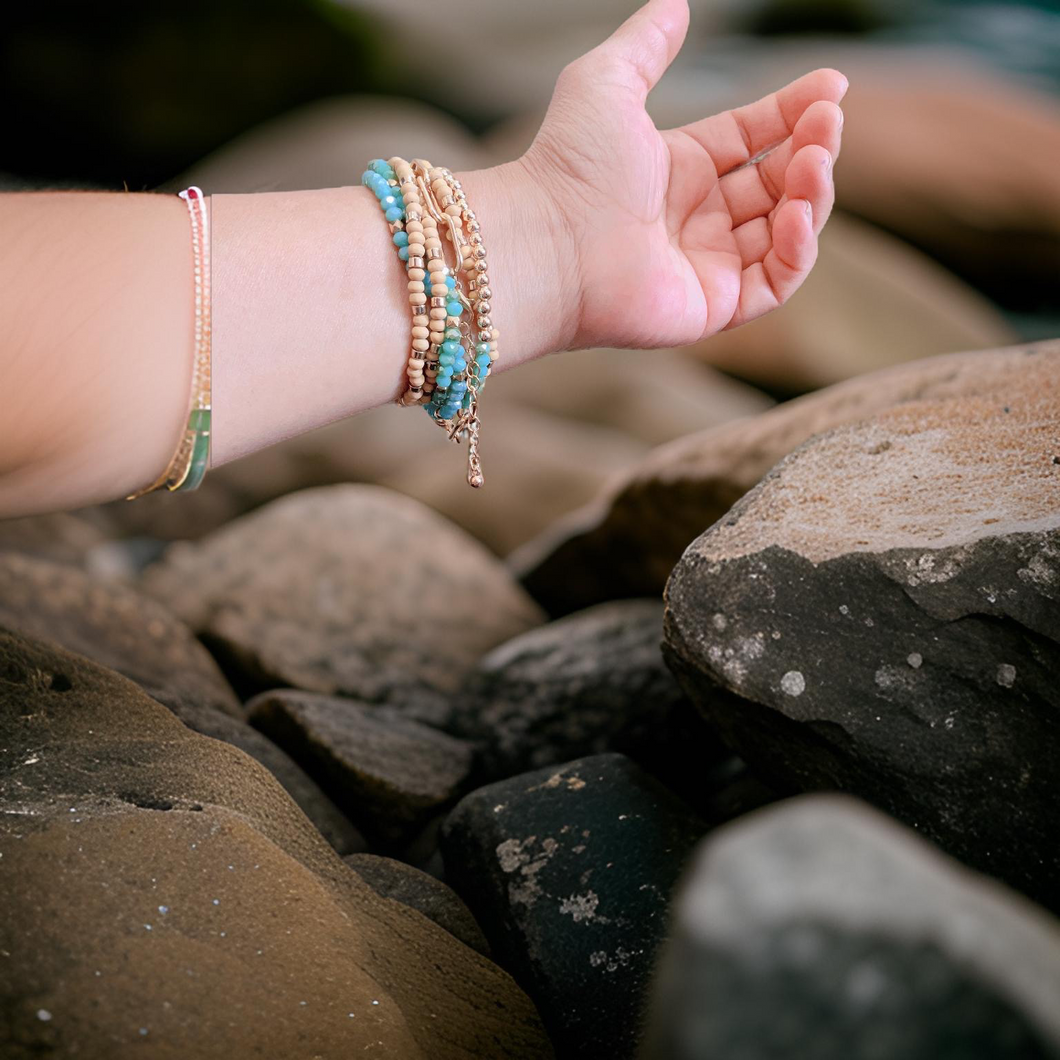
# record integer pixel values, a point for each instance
(645, 44)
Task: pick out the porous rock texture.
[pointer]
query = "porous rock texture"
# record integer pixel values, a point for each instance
(569, 871)
(590, 682)
(627, 542)
(136, 636)
(162, 893)
(882, 615)
(346, 589)
(820, 928)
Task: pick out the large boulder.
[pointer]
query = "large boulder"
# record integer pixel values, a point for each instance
(627, 542)
(822, 929)
(162, 892)
(136, 636)
(344, 589)
(569, 871)
(882, 615)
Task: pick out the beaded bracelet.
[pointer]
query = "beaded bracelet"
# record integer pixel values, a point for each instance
(188, 467)
(444, 374)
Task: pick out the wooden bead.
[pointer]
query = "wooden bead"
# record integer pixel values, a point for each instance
(433, 241)
(438, 314)
(413, 226)
(420, 344)
(419, 332)
(493, 349)
(420, 319)
(416, 286)
(496, 333)
(416, 274)
(415, 250)
(416, 298)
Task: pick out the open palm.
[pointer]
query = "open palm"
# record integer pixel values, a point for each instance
(679, 234)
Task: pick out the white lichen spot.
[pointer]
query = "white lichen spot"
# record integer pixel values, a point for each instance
(1006, 675)
(915, 660)
(43, 1015)
(597, 958)
(1037, 572)
(929, 569)
(500, 806)
(775, 634)
(511, 855)
(719, 622)
(580, 906)
(793, 683)
(843, 609)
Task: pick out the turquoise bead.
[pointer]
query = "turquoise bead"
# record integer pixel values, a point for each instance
(458, 387)
(483, 360)
(388, 200)
(401, 239)
(367, 177)
(403, 253)
(460, 365)
(451, 282)
(482, 347)
(453, 347)
(394, 214)
(466, 403)
(446, 359)
(382, 167)
(454, 308)
(443, 381)
(452, 334)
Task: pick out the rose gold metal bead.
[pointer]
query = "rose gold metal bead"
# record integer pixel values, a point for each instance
(479, 252)
(418, 310)
(437, 300)
(435, 252)
(475, 239)
(481, 266)
(483, 290)
(472, 224)
(484, 335)
(415, 263)
(484, 321)
(452, 322)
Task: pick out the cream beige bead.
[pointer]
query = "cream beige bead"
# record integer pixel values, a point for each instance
(421, 320)
(416, 274)
(438, 314)
(416, 298)
(421, 344)
(413, 226)
(419, 331)
(416, 285)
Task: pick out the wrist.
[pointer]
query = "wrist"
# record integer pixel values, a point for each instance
(533, 268)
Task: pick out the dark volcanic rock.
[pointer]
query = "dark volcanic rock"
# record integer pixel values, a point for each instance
(139, 638)
(346, 589)
(592, 682)
(627, 542)
(883, 615)
(389, 774)
(434, 899)
(569, 871)
(164, 897)
(822, 929)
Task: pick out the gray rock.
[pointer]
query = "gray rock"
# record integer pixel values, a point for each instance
(592, 682)
(405, 884)
(882, 616)
(823, 927)
(389, 774)
(569, 871)
(351, 590)
(137, 637)
(163, 896)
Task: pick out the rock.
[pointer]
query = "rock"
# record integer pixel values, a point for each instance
(343, 589)
(627, 542)
(824, 923)
(594, 681)
(881, 616)
(387, 773)
(115, 625)
(402, 883)
(62, 537)
(162, 892)
(569, 872)
(136, 636)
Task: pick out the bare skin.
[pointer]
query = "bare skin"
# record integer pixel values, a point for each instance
(606, 232)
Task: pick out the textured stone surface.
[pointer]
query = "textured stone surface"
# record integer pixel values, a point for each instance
(403, 883)
(823, 923)
(115, 625)
(569, 871)
(135, 635)
(163, 896)
(627, 542)
(883, 616)
(343, 589)
(63, 537)
(388, 773)
(594, 681)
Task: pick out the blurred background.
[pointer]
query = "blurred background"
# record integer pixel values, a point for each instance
(946, 237)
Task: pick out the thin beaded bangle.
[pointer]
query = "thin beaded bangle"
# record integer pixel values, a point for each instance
(442, 374)
(188, 467)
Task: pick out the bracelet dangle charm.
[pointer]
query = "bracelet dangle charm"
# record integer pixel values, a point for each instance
(448, 363)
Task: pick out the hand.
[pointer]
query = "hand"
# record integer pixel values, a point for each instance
(672, 235)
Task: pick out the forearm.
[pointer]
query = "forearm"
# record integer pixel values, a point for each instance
(310, 323)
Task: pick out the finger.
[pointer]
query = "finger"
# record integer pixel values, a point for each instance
(809, 176)
(736, 136)
(769, 283)
(642, 48)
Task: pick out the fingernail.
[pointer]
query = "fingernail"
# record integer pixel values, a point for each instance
(809, 209)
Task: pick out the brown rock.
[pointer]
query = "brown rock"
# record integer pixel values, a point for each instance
(136, 636)
(403, 883)
(627, 542)
(344, 589)
(63, 537)
(163, 893)
(388, 773)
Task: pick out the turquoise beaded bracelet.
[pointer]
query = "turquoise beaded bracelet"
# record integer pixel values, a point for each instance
(415, 198)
